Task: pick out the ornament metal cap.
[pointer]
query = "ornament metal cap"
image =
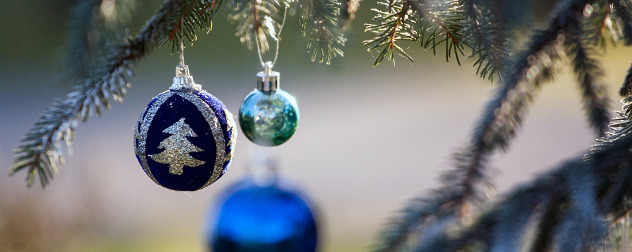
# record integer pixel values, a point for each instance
(268, 80)
(184, 80)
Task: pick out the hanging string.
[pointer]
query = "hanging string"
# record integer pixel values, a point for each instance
(181, 54)
(276, 39)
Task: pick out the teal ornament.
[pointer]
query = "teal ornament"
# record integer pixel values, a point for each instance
(262, 217)
(268, 116)
(185, 137)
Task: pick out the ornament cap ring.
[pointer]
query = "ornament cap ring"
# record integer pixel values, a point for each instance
(268, 80)
(184, 80)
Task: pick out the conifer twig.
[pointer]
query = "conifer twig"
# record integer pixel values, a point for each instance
(83, 37)
(322, 17)
(257, 19)
(41, 150)
(485, 38)
(623, 14)
(571, 204)
(626, 88)
(348, 9)
(431, 23)
(455, 24)
(589, 75)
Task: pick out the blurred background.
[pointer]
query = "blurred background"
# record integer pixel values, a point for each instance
(369, 138)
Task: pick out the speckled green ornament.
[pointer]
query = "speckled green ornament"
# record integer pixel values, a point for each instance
(268, 116)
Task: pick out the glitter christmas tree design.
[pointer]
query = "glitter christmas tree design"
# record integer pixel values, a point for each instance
(177, 148)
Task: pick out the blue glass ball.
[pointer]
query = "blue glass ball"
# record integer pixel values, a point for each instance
(269, 118)
(262, 218)
(184, 139)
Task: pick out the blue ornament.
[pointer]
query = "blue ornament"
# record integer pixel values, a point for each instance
(185, 137)
(263, 218)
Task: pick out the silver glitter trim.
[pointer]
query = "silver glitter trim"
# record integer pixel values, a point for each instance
(216, 129)
(231, 125)
(146, 119)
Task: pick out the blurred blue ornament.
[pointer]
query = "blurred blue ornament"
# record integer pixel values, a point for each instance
(268, 116)
(262, 217)
(185, 137)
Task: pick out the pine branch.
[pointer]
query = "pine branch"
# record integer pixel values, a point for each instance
(549, 219)
(599, 26)
(455, 24)
(620, 236)
(626, 88)
(499, 228)
(257, 19)
(348, 10)
(623, 16)
(431, 23)
(434, 213)
(392, 25)
(325, 38)
(575, 200)
(41, 150)
(572, 204)
(88, 29)
(621, 134)
(489, 47)
(503, 114)
(447, 16)
(589, 75)
(499, 122)
(83, 38)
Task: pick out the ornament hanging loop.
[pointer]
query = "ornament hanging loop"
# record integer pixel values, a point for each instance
(182, 54)
(276, 40)
(183, 79)
(268, 80)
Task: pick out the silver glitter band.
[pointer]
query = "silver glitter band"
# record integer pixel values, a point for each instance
(211, 119)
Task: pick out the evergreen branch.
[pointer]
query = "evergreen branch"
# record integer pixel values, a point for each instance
(572, 203)
(325, 38)
(42, 148)
(622, 132)
(348, 10)
(576, 200)
(90, 20)
(626, 88)
(41, 151)
(501, 118)
(549, 220)
(623, 16)
(434, 213)
(456, 24)
(503, 114)
(83, 37)
(499, 228)
(388, 25)
(620, 236)
(485, 38)
(589, 75)
(257, 19)
(598, 25)
(430, 23)
(447, 16)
